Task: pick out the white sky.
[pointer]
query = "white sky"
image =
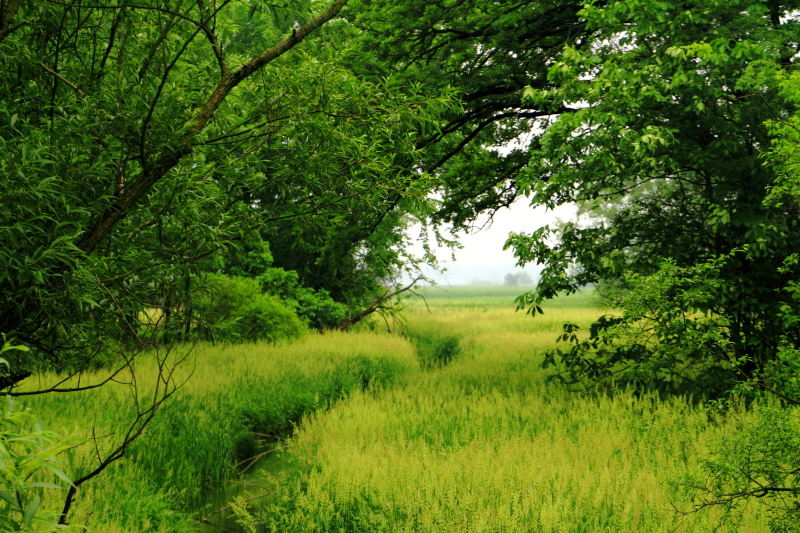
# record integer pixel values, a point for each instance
(485, 247)
(482, 255)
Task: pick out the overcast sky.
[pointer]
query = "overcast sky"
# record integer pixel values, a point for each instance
(482, 256)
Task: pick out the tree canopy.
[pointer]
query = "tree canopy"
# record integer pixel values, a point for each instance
(138, 141)
(666, 154)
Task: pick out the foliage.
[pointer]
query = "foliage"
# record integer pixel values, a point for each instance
(234, 308)
(488, 52)
(666, 340)
(517, 279)
(253, 258)
(665, 150)
(314, 306)
(30, 461)
(434, 348)
(137, 142)
(760, 463)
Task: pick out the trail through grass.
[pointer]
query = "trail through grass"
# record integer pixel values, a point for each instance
(484, 445)
(452, 428)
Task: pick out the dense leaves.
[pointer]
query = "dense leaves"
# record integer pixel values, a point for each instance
(665, 155)
(489, 52)
(138, 142)
(31, 460)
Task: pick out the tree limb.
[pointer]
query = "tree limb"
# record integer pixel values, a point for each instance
(170, 158)
(378, 304)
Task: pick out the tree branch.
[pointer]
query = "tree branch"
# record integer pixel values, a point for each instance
(172, 156)
(378, 304)
(63, 79)
(7, 16)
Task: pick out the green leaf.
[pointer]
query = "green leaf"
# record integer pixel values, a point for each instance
(6, 496)
(30, 511)
(58, 472)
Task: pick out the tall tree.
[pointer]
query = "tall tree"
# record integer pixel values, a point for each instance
(667, 151)
(136, 140)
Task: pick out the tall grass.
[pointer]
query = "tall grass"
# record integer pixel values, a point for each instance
(479, 442)
(484, 445)
(201, 434)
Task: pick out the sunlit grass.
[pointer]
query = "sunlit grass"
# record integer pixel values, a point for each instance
(480, 444)
(484, 444)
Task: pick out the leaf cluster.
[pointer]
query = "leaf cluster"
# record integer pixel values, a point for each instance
(30, 462)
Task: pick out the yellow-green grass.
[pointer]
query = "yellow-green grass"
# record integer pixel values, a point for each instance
(486, 319)
(479, 444)
(484, 445)
(201, 433)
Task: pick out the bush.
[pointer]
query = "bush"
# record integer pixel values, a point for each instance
(663, 342)
(315, 307)
(760, 463)
(234, 309)
(29, 462)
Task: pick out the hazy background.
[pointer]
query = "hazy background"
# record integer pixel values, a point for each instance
(482, 258)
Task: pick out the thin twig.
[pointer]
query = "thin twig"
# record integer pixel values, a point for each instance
(63, 79)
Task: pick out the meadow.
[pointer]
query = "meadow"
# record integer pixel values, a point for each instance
(238, 402)
(449, 426)
(484, 444)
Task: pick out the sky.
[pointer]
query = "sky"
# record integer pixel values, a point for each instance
(482, 256)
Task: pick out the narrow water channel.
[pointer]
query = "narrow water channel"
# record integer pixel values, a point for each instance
(255, 485)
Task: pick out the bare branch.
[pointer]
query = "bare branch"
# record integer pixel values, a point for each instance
(378, 304)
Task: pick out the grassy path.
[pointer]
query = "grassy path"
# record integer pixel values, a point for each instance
(394, 440)
(484, 445)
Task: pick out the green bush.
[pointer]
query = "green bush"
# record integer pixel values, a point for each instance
(29, 463)
(758, 464)
(435, 349)
(316, 307)
(234, 309)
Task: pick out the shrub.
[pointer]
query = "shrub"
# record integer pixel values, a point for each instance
(234, 309)
(315, 307)
(29, 462)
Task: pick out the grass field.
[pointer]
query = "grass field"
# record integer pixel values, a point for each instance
(234, 397)
(450, 428)
(483, 444)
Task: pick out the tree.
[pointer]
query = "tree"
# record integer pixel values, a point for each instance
(669, 142)
(489, 52)
(138, 141)
(516, 279)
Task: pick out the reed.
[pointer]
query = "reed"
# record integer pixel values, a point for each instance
(234, 395)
